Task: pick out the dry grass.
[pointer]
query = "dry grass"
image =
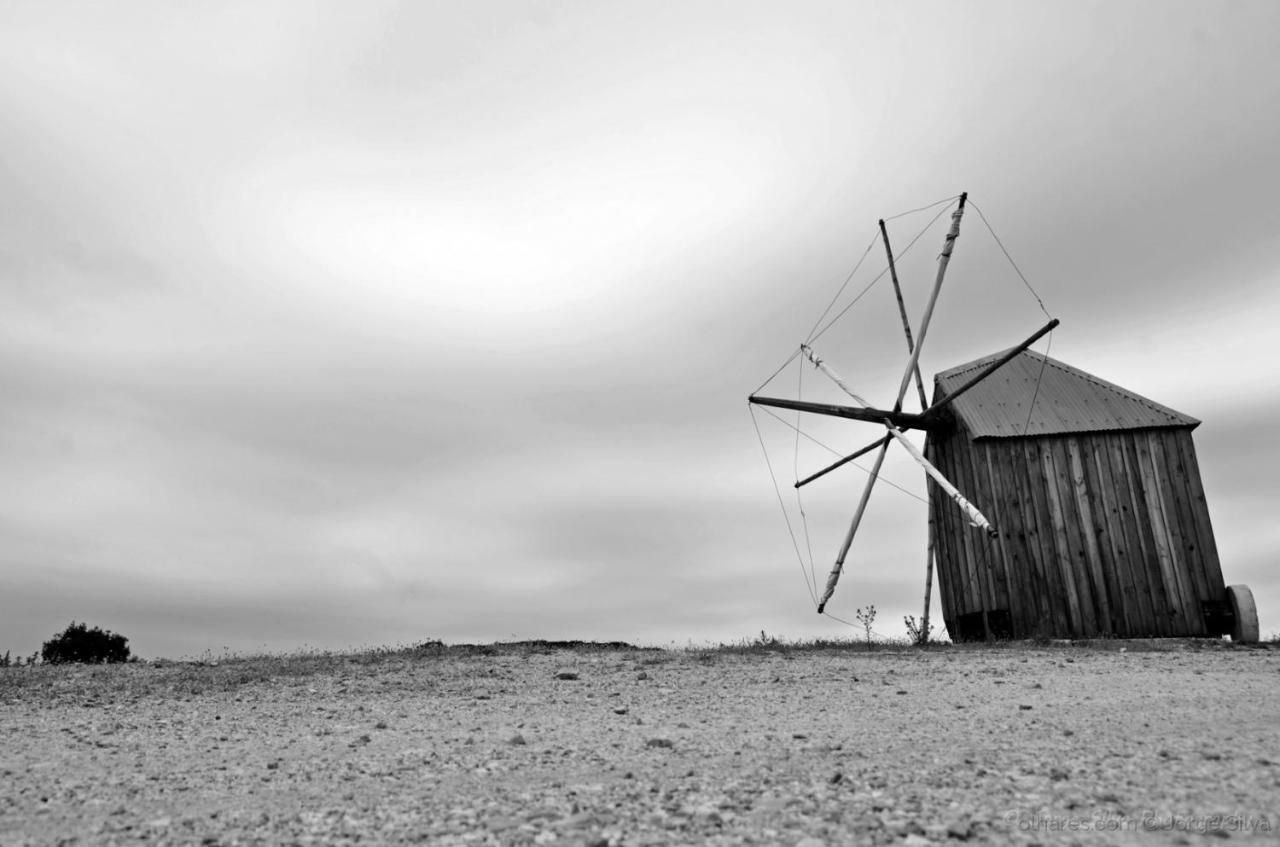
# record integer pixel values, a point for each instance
(138, 680)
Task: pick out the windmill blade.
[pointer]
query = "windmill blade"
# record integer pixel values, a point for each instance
(832, 375)
(943, 260)
(990, 369)
(976, 518)
(839, 463)
(834, 576)
(902, 312)
(902, 420)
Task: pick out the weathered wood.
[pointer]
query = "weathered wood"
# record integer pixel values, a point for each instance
(1084, 621)
(947, 580)
(996, 549)
(1180, 490)
(1162, 598)
(1101, 533)
(978, 597)
(902, 420)
(987, 547)
(1178, 600)
(1183, 567)
(839, 463)
(1039, 547)
(1103, 582)
(1180, 487)
(939, 479)
(1128, 548)
(944, 258)
(902, 312)
(1111, 536)
(1091, 593)
(1204, 526)
(834, 576)
(928, 578)
(1019, 550)
(963, 577)
(1002, 545)
(976, 517)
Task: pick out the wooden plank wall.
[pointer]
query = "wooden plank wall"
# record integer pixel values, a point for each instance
(1100, 534)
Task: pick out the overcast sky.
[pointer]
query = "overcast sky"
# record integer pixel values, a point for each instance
(365, 323)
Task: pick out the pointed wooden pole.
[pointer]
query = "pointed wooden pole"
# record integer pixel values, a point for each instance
(902, 420)
(975, 517)
(902, 312)
(989, 370)
(928, 577)
(943, 260)
(839, 463)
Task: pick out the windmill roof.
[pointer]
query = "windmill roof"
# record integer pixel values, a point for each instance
(1066, 400)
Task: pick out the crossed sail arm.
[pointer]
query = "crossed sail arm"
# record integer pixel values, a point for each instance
(976, 518)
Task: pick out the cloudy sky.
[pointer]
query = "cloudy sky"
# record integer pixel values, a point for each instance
(364, 323)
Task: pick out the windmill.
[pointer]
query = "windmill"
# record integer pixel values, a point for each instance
(1083, 513)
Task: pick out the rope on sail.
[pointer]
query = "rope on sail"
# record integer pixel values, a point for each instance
(815, 333)
(1011, 261)
(836, 452)
(815, 336)
(818, 330)
(795, 469)
(1048, 345)
(813, 595)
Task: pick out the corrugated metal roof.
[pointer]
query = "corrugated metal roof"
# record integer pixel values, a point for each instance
(1068, 400)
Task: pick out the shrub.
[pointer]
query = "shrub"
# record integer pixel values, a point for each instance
(78, 643)
(917, 631)
(866, 617)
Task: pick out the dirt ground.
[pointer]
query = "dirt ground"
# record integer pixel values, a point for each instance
(1017, 744)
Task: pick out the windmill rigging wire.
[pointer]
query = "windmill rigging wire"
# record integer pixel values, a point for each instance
(780, 369)
(843, 286)
(922, 208)
(782, 505)
(1010, 258)
(1049, 341)
(809, 573)
(795, 467)
(1044, 360)
(880, 477)
(880, 276)
(814, 334)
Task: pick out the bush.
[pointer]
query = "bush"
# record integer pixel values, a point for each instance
(78, 643)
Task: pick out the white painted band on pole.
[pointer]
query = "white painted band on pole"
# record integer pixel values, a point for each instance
(976, 518)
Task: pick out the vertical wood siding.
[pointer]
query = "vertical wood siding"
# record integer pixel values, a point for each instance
(1100, 534)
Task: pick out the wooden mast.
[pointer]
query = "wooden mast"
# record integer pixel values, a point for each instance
(943, 260)
(902, 312)
(975, 517)
(924, 404)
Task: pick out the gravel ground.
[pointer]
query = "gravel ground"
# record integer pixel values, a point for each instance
(1019, 744)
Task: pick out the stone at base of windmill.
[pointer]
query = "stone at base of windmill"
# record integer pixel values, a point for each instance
(1244, 615)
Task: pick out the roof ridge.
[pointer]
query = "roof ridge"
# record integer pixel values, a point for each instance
(1111, 386)
(1069, 399)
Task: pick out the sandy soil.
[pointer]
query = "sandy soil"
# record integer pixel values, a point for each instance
(1007, 745)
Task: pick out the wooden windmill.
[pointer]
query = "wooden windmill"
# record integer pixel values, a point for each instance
(1083, 513)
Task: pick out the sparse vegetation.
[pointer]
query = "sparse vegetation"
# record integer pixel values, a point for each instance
(918, 632)
(78, 643)
(866, 617)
